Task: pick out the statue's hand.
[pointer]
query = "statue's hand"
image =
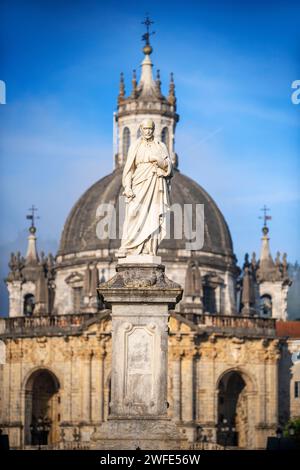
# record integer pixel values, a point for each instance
(128, 193)
(157, 159)
(161, 162)
(153, 158)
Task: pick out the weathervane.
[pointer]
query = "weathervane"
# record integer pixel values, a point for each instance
(147, 22)
(32, 217)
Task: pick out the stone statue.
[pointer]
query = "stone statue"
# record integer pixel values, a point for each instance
(146, 177)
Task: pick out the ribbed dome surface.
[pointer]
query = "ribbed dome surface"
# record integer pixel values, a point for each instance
(79, 232)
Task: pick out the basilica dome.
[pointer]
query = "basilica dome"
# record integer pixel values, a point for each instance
(79, 234)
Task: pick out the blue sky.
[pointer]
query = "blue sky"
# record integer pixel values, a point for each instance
(238, 135)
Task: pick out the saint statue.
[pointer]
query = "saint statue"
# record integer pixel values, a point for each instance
(146, 178)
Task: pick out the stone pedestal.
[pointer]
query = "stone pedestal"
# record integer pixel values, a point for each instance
(139, 296)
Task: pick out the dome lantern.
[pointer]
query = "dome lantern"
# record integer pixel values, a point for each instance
(145, 101)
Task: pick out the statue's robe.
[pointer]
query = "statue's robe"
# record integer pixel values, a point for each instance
(145, 218)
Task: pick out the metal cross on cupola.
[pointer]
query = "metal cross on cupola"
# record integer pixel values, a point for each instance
(147, 35)
(32, 217)
(265, 217)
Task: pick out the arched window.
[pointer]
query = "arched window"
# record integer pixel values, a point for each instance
(28, 305)
(209, 299)
(165, 136)
(126, 141)
(77, 299)
(266, 305)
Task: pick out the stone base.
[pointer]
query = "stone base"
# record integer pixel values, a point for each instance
(141, 433)
(140, 259)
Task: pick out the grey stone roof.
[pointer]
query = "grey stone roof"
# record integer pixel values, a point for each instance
(79, 232)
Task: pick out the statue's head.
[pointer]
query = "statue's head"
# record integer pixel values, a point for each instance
(147, 128)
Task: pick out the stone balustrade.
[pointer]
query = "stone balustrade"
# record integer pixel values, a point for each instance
(51, 324)
(233, 324)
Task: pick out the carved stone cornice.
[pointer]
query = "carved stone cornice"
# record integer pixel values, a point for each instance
(145, 281)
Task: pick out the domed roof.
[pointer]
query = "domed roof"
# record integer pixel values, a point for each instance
(79, 234)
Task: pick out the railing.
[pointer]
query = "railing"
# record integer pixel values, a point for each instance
(233, 322)
(72, 322)
(52, 323)
(228, 321)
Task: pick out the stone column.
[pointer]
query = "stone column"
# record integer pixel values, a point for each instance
(262, 395)
(106, 401)
(272, 359)
(66, 396)
(208, 395)
(15, 385)
(22, 413)
(5, 412)
(252, 399)
(139, 295)
(176, 364)
(70, 394)
(189, 392)
(98, 386)
(273, 392)
(86, 384)
(101, 377)
(187, 399)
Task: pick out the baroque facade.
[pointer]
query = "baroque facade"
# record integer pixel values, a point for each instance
(233, 357)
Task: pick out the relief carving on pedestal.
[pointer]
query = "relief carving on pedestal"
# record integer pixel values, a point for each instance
(139, 365)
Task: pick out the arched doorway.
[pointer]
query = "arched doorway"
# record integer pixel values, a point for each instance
(42, 403)
(233, 418)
